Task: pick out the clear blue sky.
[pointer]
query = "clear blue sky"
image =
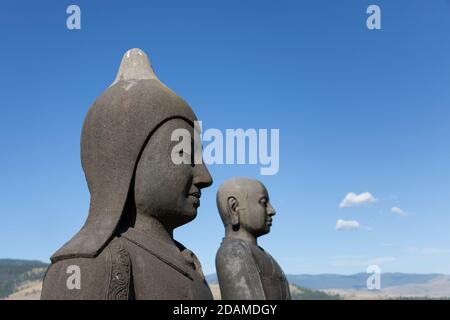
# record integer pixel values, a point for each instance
(358, 111)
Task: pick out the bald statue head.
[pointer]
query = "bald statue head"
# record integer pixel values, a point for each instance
(244, 206)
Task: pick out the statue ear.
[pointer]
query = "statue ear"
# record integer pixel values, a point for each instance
(233, 210)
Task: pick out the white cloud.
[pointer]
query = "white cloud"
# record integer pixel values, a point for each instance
(427, 250)
(347, 225)
(398, 211)
(353, 199)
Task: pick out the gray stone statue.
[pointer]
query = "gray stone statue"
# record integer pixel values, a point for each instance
(245, 270)
(126, 250)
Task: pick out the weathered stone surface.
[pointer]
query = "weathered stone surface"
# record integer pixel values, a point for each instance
(245, 270)
(126, 250)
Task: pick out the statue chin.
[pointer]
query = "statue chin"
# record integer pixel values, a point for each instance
(187, 217)
(189, 213)
(177, 219)
(263, 231)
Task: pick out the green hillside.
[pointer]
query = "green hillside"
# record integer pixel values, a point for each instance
(299, 293)
(15, 272)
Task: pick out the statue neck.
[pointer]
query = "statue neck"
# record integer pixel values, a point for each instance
(153, 228)
(240, 234)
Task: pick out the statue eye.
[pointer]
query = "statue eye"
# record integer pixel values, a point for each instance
(188, 159)
(263, 202)
(183, 153)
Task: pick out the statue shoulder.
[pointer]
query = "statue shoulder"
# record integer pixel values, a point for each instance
(234, 248)
(106, 276)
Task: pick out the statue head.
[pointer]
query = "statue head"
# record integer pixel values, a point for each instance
(244, 203)
(165, 190)
(126, 150)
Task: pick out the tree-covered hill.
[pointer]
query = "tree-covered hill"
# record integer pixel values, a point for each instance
(15, 272)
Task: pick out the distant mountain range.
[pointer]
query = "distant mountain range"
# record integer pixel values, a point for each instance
(22, 279)
(393, 285)
(355, 281)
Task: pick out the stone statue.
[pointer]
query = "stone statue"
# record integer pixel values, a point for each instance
(126, 250)
(245, 270)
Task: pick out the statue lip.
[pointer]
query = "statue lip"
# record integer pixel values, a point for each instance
(196, 197)
(196, 194)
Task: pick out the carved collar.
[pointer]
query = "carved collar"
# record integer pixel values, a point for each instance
(175, 255)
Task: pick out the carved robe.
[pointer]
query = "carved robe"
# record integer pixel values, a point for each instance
(131, 266)
(245, 271)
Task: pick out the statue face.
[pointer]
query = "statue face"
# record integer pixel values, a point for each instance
(164, 190)
(256, 211)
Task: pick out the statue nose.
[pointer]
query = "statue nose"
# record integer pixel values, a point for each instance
(202, 178)
(271, 210)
